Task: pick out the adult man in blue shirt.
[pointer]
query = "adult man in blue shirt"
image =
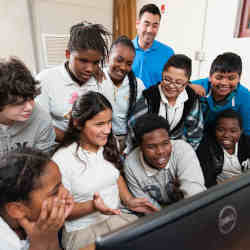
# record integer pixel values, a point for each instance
(151, 55)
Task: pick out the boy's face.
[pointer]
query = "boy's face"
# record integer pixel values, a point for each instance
(20, 111)
(223, 84)
(174, 81)
(156, 148)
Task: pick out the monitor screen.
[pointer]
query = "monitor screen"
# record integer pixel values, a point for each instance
(216, 219)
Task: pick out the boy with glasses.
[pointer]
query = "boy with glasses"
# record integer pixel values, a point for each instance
(174, 100)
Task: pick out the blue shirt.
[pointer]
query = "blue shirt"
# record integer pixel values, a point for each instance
(148, 64)
(238, 100)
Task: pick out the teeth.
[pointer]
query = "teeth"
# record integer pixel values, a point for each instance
(226, 142)
(161, 160)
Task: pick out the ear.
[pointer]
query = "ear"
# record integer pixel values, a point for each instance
(137, 22)
(67, 54)
(16, 210)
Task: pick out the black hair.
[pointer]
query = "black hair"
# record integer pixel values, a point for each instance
(88, 36)
(227, 63)
(20, 171)
(179, 61)
(229, 113)
(125, 41)
(148, 123)
(16, 82)
(150, 8)
(85, 108)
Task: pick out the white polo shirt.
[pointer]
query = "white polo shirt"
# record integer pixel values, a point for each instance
(9, 239)
(119, 99)
(59, 91)
(83, 174)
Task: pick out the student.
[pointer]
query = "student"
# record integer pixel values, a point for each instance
(161, 170)
(61, 85)
(89, 161)
(224, 153)
(22, 122)
(224, 91)
(174, 100)
(33, 202)
(121, 87)
(151, 55)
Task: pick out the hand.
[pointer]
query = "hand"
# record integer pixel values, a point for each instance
(99, 75)
(101, 207)
(43, 231)
(198, 89)
(68, 198)
(141, 205)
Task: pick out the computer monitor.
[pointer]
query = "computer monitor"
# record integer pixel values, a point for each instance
(218, 219)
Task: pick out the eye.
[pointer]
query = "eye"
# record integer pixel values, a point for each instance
(231, 78)
(218, 77)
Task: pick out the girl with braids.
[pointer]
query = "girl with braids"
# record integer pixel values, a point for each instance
(61, 85)
(33, 201)
(89, 162)
(121, 87)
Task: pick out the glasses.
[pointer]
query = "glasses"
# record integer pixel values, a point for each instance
(178, 85)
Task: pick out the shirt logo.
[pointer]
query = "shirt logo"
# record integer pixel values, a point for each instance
(227, 219)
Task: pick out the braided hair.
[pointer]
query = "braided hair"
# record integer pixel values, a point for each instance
(88, 36)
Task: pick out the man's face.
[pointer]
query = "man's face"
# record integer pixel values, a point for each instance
(156, 148)
(20, 111)
(84, 63)
(223, 84)
(147, 28)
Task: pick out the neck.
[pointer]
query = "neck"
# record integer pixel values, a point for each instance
(144, 45)
(90, 148)
(117, 83)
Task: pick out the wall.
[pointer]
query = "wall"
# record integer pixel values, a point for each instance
(56, 17)
(206, 26)
(49, 16)
(15, 29)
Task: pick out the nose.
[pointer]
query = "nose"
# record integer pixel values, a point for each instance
(159, 150)
(90, 67)
(149, 28)
(29, 105)
(107, 128)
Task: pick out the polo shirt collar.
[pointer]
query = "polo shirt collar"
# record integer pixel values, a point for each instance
(137, 46)
(68, 80)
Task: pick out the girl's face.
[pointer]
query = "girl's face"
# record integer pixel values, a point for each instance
(83, 63)
(228, 133)
(120, 62)
(49, 187)
(96, 131)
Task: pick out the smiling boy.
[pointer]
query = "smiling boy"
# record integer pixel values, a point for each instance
(224, 91)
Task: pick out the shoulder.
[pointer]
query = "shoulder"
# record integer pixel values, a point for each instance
(50, 74)
(132, 159)
(40, 115)
(63, 153)
(180, 146)
(163, 47)
(243, 92)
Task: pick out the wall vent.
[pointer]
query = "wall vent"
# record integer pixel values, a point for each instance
(54, 49)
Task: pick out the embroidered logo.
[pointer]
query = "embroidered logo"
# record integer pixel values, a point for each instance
(227, 219)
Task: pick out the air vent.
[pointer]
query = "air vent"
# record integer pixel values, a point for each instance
(54, 49)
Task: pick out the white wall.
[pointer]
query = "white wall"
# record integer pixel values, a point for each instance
(49, 16)
(15, 38)
(57, 16)
(203, 25)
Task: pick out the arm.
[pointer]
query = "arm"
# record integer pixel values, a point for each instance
(141, 205)
(59, 134)
(84, 208)
(190, 175)
(198, 89)
(194, 125)
(134, 185)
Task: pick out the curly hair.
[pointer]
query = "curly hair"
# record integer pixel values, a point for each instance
(85, 108)
(16, 82)
(20, 171)
(88, 36)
